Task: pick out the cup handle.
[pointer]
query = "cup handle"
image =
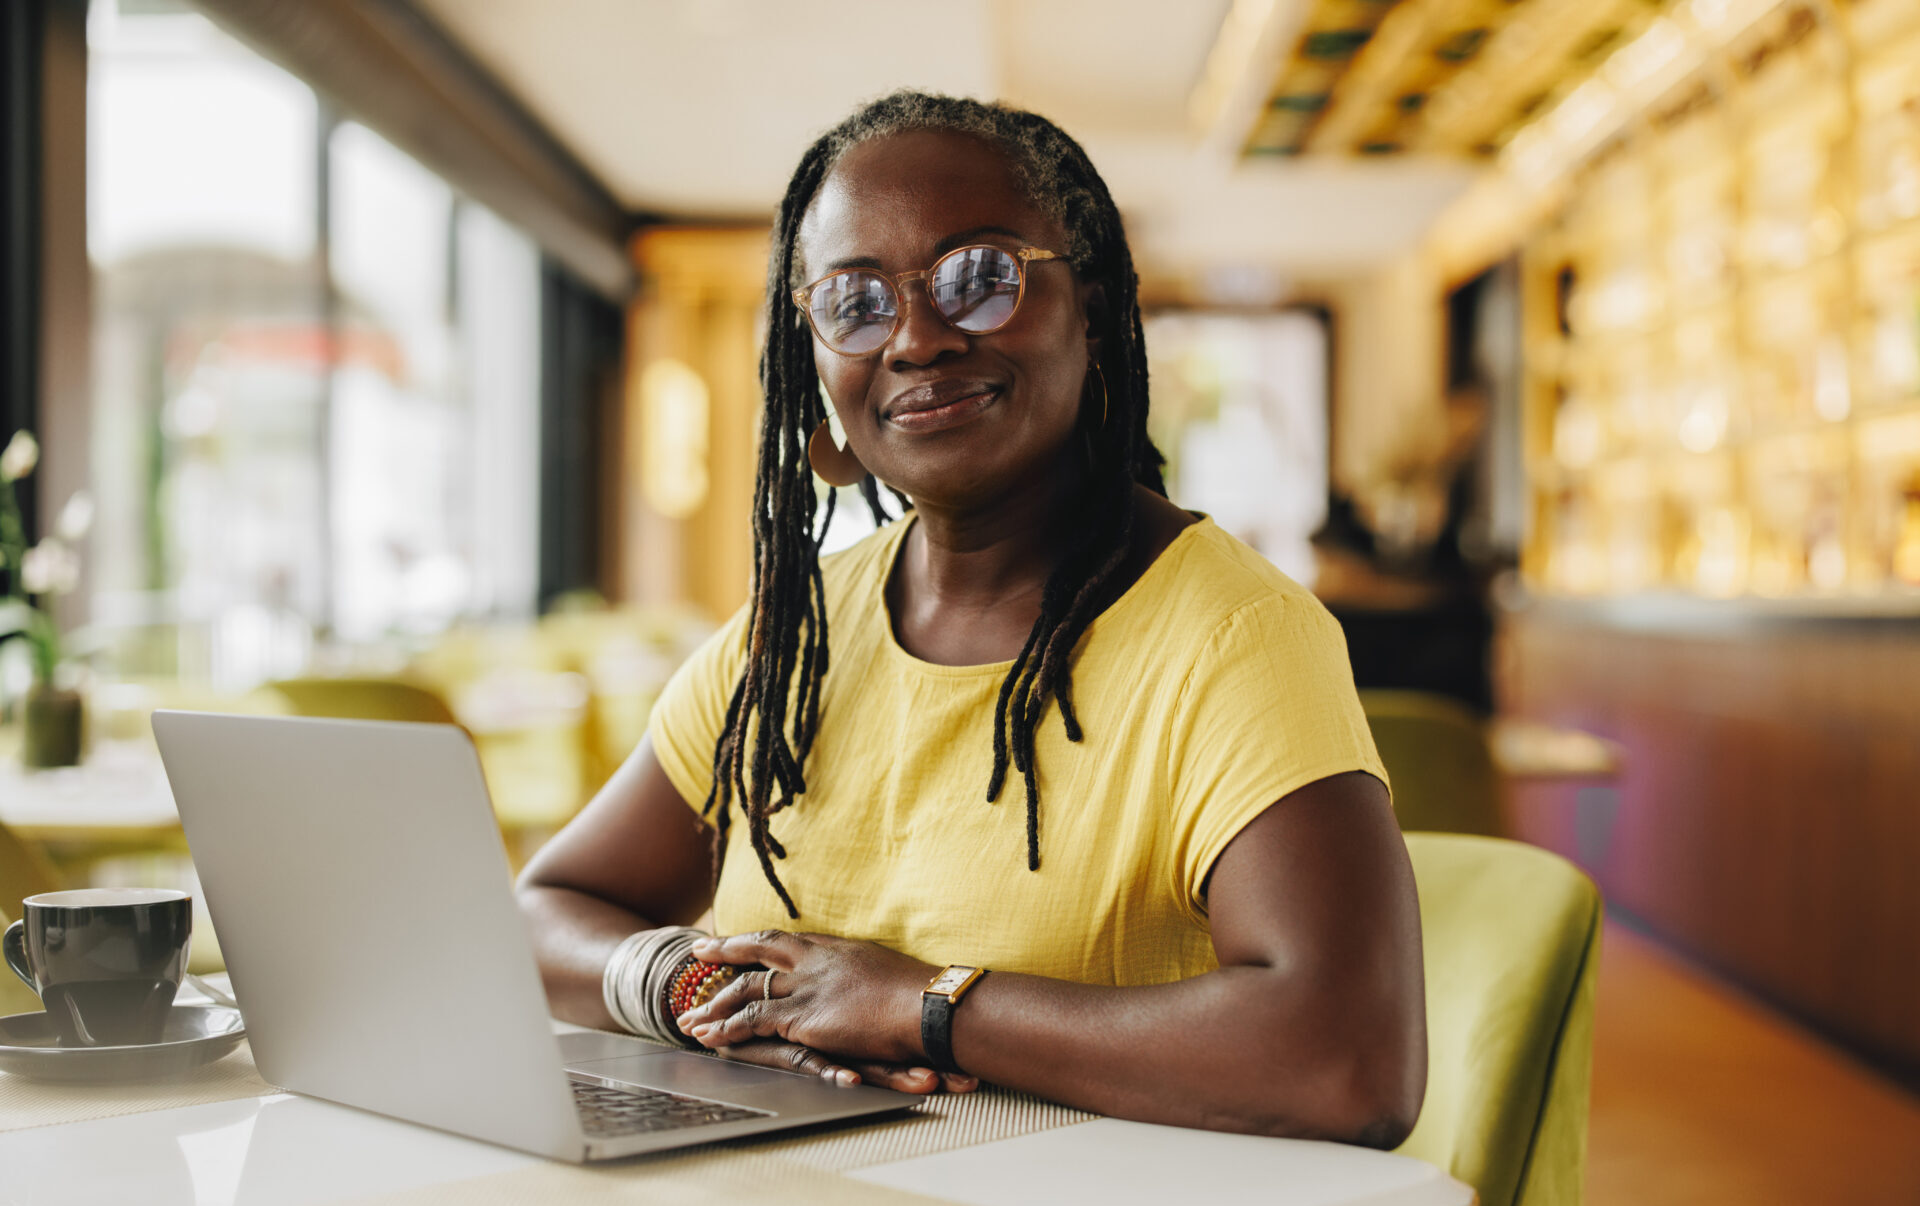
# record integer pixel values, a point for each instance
(14, 946)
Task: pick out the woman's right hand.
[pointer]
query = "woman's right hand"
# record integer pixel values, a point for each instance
(792, 1057)
(638, 857)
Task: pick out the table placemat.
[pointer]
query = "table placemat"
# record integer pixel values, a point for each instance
(801, 1164)
(28, 1103)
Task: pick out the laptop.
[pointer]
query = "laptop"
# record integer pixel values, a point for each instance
(356, 878)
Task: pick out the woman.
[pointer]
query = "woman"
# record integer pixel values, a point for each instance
(1203, 914)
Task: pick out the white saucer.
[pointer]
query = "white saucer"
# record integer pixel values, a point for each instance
(195, 1035)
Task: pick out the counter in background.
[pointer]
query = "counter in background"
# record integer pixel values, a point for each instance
(1764, 817)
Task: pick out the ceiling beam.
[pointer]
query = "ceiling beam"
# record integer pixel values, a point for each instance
(1255, 38)
(386, 65)
(1375, 76)
(1529, 53)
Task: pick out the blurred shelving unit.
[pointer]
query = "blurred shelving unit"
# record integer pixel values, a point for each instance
(1722, 330)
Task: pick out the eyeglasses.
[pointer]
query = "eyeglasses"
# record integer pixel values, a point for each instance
(974, 289)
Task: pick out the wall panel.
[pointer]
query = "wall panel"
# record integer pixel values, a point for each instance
(1767, 819)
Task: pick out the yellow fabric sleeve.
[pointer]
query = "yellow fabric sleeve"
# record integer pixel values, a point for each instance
(692, 708)
(1268, 708)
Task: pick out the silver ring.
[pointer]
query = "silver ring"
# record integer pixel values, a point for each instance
(766, 986)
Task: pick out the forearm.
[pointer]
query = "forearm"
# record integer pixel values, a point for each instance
(635, 858)
(1313, 1025)
(1240, 1049)
(574, 933)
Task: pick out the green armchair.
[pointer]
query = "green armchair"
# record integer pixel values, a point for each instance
(1512, 944)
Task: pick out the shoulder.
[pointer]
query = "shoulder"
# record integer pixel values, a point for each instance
(1231, 617)
(1223, 586)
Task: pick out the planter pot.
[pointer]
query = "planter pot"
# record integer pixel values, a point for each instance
(55, 728)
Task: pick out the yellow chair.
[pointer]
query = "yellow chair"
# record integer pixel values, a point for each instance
(1435, 751)
(364, 699)
(15, 996)
(122, 709)
(533, 771)
(24, 872)
(626, 657)
(1512, 940)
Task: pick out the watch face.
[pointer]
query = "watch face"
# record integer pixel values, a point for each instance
(950, 979)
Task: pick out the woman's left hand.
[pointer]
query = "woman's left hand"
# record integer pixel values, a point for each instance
(857, 1000)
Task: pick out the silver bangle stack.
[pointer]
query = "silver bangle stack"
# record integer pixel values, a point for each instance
(634, 985)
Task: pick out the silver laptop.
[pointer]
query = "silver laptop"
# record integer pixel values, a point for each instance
(357, 881)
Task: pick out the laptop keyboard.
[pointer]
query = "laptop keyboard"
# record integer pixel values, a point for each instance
(607, 1113)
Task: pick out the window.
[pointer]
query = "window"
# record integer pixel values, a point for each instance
(317, 370)
(1240, 409)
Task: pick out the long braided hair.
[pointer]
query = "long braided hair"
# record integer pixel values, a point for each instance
(774, 712)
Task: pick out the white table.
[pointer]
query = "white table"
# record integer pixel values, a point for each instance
(295, 1151)
(287, 1150)
(119, 793)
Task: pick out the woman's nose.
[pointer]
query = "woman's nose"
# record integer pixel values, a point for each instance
(922, 336)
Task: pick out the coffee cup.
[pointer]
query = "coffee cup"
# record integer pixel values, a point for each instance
(106, 962)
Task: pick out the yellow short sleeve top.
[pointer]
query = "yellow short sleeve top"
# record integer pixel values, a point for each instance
(1213, 687)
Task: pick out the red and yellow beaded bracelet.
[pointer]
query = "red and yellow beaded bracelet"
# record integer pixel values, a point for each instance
(696, 984)
(708, 988)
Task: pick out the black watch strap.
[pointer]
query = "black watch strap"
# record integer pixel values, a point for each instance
(936, 1031)
(937, 1002)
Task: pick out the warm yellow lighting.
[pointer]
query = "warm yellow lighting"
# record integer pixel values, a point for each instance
(1896, 353)
(1577, 435)
(1906, 554)
(1827, 562)
(1646, 56)
(1705, 422)
(1832, 394)
(1530, 157)
(1710, 14)
(1721, 19)
(1583, 113)
(1552, 145)
(1721, 567)
(674, 420)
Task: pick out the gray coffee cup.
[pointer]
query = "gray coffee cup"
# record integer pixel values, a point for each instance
(106, 962)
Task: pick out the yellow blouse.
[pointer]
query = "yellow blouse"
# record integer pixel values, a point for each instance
(1213, 687)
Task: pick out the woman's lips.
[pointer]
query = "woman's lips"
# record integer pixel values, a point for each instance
(952, 414)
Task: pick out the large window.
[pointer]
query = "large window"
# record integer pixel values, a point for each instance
(317, 369)
(1240, 409)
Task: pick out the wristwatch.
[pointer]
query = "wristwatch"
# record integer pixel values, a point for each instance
(937, 1001)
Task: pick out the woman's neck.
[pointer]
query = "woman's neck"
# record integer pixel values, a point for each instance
(981, 556)
(967, 583)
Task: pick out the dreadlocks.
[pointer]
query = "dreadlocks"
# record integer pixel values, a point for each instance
(774, 713)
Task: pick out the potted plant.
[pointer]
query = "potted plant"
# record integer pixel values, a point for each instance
(54, 713)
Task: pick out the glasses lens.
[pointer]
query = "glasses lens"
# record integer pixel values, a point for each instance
(854, 311)
(976, 288)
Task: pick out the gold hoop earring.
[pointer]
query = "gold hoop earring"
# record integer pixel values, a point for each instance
(835, 465)
(1102, 378)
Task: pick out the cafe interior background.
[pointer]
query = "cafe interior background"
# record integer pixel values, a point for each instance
(400, 357)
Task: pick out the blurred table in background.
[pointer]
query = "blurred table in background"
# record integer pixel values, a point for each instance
(553, 707)
(117, 797)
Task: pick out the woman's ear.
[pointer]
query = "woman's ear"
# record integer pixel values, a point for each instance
(1093, 300)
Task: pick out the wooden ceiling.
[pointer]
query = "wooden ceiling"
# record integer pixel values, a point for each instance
(1437, 77)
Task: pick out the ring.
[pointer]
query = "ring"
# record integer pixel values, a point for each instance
(766, 986)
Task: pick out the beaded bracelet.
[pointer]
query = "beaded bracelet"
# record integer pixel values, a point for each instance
(640, 967)
(653, 977)
(696, 985)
